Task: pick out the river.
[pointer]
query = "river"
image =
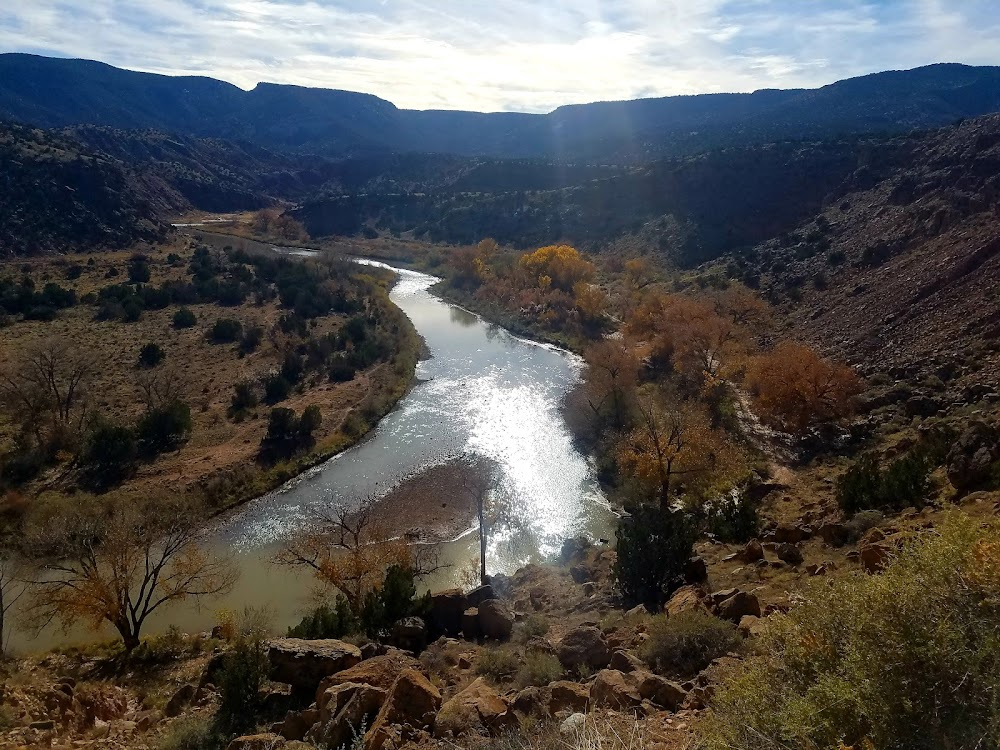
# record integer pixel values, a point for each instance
(482, 392)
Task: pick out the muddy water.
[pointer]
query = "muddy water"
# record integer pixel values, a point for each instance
(482, 393)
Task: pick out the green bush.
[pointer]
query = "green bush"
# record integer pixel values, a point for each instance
(733, 521)
(151, 355)
(109, 455)
(244, 397)
(327, 622)
(498, 663)
(251, 340)
(185, 318)
(538, 669)
(244, 673)
(226, 331)
(395, 599)
(905, 659)
(138, 269)
(192, 733)
(686, 643)
(534, 626)
(276, 388)
(653, 550)
(904, 482)
(164, 429)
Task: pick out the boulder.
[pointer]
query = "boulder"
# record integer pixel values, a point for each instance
(412, 702)
(584, 646)
(147, 720)
(581, 573)
(790, 533)
(611, 689)
(445, 617)
(479, 595)
(752, 552)
(574, 549)
(659, 690)
(735, 607)
(276, 698)
(296, 724)
(626, 661)
(379, 671)
(266, 741)
(972, 456)
(470, 623)
(875, 556)
(476, 710)
(685, 599)
(568, 696)
(342, 709)
(834, 534)
(573, 725)
(496, 621)
(303, 664)
(531, 700)
(789, 553)
(410, 634)
(181, 698)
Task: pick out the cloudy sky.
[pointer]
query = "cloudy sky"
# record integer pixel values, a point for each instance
(527, 55)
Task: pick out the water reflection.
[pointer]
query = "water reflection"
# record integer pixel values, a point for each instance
(463, 317)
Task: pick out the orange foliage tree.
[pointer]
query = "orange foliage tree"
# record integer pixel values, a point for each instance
(795, 388)
(612, 376)
(352, 549)
(674, 445)
(122, 563)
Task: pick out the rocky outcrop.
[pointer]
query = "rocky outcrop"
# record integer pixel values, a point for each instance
(476, 710)
(411, 705)
(567, 696)
(495, 620)
(585, 646)
(612, 689)
(737, 605)
(974, 456)
(379, 671)
(445, 617)
(303, 664)
(686, 599)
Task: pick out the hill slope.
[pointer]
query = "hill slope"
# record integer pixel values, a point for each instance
(57, 197)
(59, 93)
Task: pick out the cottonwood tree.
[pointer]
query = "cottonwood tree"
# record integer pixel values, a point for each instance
(13, 585)
(674, 444)
(47, 387)
(612, 375)
(160, 387)
(478, 480)
(352, 548)
(120, 563)
(794, 388)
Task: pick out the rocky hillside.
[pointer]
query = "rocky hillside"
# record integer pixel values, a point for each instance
(57, 196)
(900, 271)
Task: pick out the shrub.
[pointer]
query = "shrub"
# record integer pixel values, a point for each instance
(394, 600)
(244, 674)
(276, 389)
(653, 550)
(327, 622)
(291, 368)
(151, 355)
(498, 662)
(732, 521)
(164, 429)
(251, 340)
(686, 643)
(109, 455)
(538, 669)
(534, 626)
(244, 397)
(904, 659)
(865, 486)
(192, 733)
(185, 318)
(138, 269)
(226, 331)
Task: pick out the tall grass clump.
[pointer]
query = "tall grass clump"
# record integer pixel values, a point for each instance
(908, 659)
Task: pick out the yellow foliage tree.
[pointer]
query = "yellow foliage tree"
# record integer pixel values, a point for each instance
(122, 563)
(795, 388)
(561, 263)
(674, 444)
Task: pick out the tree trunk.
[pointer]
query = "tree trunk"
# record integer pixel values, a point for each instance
(482, 545)
(129, 638)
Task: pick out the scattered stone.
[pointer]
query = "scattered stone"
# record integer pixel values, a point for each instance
(789, 553)
(834, 534)
(659, 690)
(181, 698)
(685, 599)
(147, 720)
(257, 742)
(573, 724)
(611, 689)
(746, 625)
(567, 696)
(410, 633)
(476, 710)
(626, 661)
(584, 646)
(739, 604)
(972, 456)
(752, 552)
(786, 532)
(303, 664)
(342, 709)
(297, 724)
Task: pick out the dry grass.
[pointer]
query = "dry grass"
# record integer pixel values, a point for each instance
(207, 373)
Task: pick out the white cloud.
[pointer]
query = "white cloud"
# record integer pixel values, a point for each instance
(513, 54)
